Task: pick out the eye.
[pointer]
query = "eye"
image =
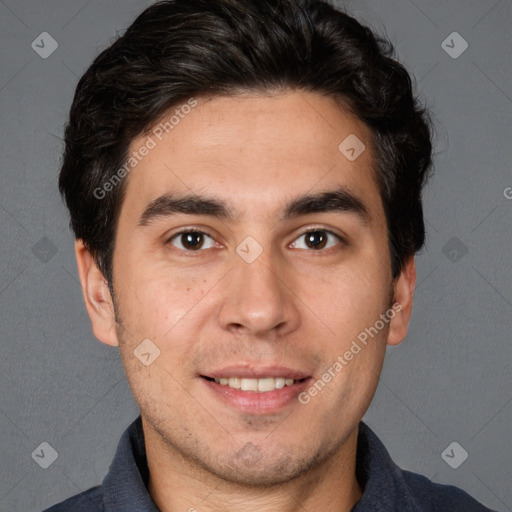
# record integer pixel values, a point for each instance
(316, 239)
(192, 240)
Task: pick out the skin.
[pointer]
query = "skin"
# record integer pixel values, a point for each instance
(294, 305)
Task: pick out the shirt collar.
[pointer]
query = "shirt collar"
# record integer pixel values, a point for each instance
(125, 486)
(382, 481)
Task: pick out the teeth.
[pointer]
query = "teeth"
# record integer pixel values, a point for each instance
(234, 382)
(249, 384)
(268, 384)
(280, 382)
(259, 385)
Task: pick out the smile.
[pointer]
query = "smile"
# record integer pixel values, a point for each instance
(262, 395)
(262, 385)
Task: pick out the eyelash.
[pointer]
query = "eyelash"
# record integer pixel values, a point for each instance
(311, 230)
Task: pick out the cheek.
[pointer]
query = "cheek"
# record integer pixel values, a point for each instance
(158, 307)
(348, 299)
(157, 301)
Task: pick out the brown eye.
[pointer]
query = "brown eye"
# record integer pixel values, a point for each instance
(316, 239)
(191, 240)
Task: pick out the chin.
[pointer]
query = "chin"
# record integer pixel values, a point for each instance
(263, 474)
(251, 466)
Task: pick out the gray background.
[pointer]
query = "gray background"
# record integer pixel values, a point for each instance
(449, 381)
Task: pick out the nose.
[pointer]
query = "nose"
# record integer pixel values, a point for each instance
(259, 299)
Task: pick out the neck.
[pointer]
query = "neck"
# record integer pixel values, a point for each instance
(177, 484)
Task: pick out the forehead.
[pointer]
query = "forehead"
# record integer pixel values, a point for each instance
(255, 150)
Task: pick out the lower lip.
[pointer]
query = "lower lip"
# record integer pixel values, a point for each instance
(254, 402)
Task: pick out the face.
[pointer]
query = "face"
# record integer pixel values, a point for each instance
(250, 248)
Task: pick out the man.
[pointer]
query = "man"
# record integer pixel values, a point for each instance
(244, 180)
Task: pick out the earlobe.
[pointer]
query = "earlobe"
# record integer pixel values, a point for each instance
(97, 297)
(402, 303)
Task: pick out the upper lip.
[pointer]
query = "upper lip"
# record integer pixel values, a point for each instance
(257, 372)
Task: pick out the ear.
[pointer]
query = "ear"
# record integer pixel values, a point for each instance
(402, 302)
(98, 300)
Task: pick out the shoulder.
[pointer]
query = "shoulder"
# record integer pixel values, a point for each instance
(431, 496)
(387, 487)
(87, 501)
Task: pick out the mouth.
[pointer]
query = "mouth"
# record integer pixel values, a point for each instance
(256, 392)
(260, 385)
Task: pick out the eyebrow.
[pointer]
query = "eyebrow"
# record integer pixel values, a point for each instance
(340, 200)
